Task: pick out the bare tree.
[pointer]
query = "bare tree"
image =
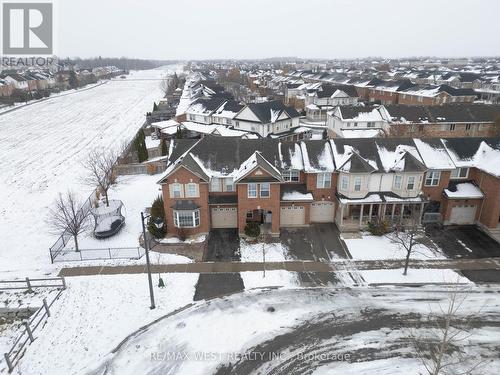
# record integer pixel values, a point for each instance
(66, 216)
(99, 166)
(407, 236)
(440, 349)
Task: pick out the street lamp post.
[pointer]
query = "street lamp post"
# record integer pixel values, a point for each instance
(159, 224)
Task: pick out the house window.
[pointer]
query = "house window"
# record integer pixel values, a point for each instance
(460, 173)
(468, 126)
(398, 181)
(323, 180)
(252, 190)
(291, 175)
(344, 183)
(264, 190)
(432, 178)
(228, 184)
(215, 184)
(355, 124)
(236, 124)
(410, 185)
(192, 190)
(249, 214)
(176, 191)
(186, 219)
(452, 127)
(357, 183)
(370, 124)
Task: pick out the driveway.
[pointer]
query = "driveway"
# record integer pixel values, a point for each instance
(467, 242)
(223, 245)
(318, 242)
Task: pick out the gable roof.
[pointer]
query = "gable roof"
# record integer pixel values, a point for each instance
(270, 111)
(256, 160)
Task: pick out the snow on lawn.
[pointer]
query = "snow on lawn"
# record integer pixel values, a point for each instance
(42, 146)
(254, 252)
(275, 252)
(95, 313)
(136, 192)
(381, 247)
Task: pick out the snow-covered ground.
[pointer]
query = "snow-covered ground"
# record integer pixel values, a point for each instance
(381, 247)
(94, 314)
(289, 323)
(42, 146)
(274, 252)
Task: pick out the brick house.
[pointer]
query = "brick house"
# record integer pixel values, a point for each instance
(220, 182)
(399, 120)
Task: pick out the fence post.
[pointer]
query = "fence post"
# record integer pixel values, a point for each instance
(28, 283)
(28, 329)
(9, 363)
(81, 256)
(45, 304)
(63, 282)
(109, 251)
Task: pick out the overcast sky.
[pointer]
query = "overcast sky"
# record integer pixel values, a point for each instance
(202, 29)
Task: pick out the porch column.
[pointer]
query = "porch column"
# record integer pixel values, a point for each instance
(341, 214)
(370, 214)
(381, 213)
(402, 212)
(361, 215)
(421, 213)
(392, 214)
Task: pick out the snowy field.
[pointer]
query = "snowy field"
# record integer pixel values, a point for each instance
(42, 146)
(381, 247)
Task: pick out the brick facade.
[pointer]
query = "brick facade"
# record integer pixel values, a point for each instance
(184, 176)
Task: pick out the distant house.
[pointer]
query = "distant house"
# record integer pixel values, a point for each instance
(266, 118)
(357, 122)
(17, 80)
(6, 88)
(319, 102)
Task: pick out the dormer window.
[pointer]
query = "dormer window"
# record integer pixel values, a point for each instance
(398, 182)
(460, 173)
(357, 183)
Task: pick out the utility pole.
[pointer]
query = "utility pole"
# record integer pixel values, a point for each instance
(148, 265)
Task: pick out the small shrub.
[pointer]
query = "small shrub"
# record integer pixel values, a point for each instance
(378, 227)
(252, 229)
(157, 211)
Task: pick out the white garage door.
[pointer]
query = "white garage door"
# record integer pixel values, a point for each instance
(322, 212)
(292, 215)
(225, 217)
(463, 214)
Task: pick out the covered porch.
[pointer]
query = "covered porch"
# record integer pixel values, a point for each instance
(355, 214)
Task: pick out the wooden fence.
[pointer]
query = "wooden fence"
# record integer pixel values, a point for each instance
(38, 319)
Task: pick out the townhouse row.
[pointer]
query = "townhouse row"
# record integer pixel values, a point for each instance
(219, 182)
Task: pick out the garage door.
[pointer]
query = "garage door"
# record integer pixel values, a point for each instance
(322, 212)
(463, 214)
(292, 216)
(225, 217)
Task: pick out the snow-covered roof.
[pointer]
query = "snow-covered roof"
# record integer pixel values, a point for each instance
(433, 154)
(297, 196)
(464, 190)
